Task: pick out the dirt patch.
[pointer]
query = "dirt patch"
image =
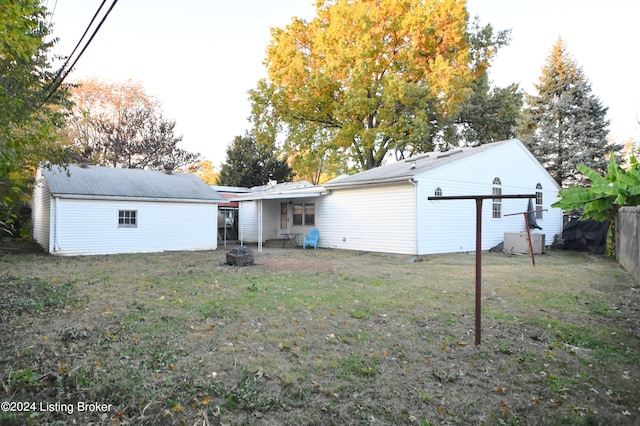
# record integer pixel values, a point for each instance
(318, 337)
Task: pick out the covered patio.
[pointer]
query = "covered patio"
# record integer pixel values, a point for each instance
(284, 212)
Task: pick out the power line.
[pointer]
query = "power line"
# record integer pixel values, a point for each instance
(52, 12)
(58, 80)
(95, 15)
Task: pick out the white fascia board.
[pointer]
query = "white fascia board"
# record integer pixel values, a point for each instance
(372, 182)
(146, 199)
(278, 195)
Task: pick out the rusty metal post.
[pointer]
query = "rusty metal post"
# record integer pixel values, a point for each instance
(526, 223)
(479, 199)
(478, 270)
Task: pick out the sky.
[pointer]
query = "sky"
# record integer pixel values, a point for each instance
(201, 57)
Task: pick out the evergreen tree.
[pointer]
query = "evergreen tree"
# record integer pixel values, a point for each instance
(251, 164)
(564, 124)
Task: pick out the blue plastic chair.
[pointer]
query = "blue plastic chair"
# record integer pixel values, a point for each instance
(311, 239)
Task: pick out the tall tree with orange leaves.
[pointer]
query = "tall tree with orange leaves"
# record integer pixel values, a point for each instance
(366, 78)
(120, 125)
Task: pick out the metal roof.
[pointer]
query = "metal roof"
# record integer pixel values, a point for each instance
(272, 191)
(406, 169)
(96, 182)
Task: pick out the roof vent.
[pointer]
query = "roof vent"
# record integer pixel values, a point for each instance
(449, 153)
(84, 163)
(414, 159)
(168, 169)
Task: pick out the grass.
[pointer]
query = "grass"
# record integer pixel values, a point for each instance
(320, 337)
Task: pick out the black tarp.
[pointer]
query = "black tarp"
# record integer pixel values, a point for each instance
(531, 216)
(585, 235)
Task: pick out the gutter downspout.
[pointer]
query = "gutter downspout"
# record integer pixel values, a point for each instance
(55, 245)
(241, 214)
(413, 182)
(260, 225)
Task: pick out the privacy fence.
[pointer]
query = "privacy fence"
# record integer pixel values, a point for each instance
(628, 241)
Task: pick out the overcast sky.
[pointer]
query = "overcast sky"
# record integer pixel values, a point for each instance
(201, 57)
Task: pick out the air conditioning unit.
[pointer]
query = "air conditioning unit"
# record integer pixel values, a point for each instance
(517, 242)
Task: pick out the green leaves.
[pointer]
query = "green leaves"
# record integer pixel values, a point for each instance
(367, 78)
(29, 128)
(607, 193)
(250, 163)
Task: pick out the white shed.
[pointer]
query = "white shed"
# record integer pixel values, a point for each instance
(100, 210)
(387, 209)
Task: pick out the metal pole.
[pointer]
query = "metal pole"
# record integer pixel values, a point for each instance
(526, 223)
(478, 270)
(479, 199)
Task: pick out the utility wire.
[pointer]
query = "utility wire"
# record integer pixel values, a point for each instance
(52, 12)
(95, 15)
(59, 80)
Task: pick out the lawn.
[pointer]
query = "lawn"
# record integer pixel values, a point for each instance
(317, 338)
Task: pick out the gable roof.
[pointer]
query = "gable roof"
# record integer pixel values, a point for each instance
(406, 169)
(96, 182)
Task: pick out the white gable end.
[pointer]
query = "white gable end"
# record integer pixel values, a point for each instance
(449, 225)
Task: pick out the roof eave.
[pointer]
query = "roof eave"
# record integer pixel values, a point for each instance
(129, 198)
(370, 182)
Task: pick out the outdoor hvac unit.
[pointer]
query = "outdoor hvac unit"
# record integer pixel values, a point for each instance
(518, 243)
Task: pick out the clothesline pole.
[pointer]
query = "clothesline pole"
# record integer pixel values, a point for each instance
(526, 223)
(478, 199)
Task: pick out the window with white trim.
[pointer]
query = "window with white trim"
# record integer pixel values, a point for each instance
(497, 202)
(127, 218)
(538, 201)
(304, 214)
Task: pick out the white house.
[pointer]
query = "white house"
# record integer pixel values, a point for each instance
(386, 209)
(277, 211)
(100, 210)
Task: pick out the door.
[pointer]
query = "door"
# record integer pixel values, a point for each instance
(285, 223)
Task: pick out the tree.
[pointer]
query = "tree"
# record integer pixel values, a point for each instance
(564, 124)
(251, 164)
(205, 170)
(120, 125)
(366, 78)
(31, 113)
(605, 195)
(489, 115)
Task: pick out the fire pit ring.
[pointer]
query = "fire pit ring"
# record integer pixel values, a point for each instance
(240, 256)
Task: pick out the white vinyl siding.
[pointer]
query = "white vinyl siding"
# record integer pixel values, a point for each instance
(397, 217)
(450, 225)
(41, 213)
(249, 215)
(378, 218)
(91, 227)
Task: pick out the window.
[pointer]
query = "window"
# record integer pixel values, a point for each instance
(538, 201)
(497, 202)
(304, 214)
(309, 214)
(127, 218)
(438, 192)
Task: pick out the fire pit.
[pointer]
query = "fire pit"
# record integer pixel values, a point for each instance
(240, 256)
